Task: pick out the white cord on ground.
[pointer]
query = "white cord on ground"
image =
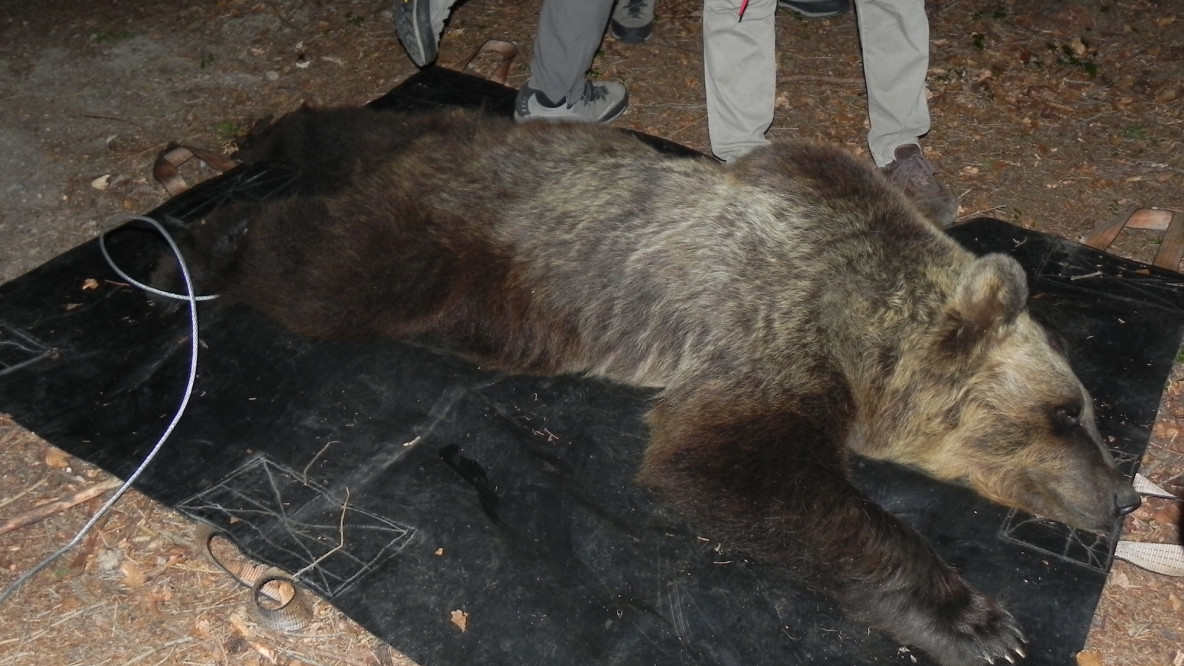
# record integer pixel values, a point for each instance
(192, 300)
(176, 251)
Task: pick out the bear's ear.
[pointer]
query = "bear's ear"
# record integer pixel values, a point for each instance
(990, 295)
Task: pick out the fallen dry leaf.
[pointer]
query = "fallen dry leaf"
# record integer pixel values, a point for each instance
(133, 575)
(1089, 659)
(460, 619)
(57, 458)
(202, 629)
(240, 626)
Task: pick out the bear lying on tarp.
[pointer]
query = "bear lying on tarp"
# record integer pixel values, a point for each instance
(791, 306)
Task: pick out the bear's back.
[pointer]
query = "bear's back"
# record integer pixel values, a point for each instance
(667, 265)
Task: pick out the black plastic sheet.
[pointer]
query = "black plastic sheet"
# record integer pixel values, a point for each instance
(405, 484)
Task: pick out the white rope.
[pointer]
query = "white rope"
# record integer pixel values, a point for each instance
(176, 251)
(192, 299)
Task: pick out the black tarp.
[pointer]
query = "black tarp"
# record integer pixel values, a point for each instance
(510, 498)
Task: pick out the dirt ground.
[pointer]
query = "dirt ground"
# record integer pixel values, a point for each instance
(1054, 115)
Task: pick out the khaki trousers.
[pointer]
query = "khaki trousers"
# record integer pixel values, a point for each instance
(740, 73)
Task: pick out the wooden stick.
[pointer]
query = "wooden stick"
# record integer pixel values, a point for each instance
(57, 506)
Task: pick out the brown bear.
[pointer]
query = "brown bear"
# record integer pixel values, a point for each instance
(792, 307)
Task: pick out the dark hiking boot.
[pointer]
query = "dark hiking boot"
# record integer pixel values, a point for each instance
(815, 8)
(632, 20)
(917, 178)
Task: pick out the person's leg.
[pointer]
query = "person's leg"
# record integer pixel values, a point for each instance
(894, 36)
(739, 74)
(895, 39)
(570, 32)
(418, 24)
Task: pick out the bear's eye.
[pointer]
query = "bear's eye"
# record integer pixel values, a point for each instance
(1067, 416)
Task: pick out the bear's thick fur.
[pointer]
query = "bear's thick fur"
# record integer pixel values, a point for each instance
(792, 307)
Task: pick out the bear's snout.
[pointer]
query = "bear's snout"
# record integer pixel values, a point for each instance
(1110, 498)
(1126, 500)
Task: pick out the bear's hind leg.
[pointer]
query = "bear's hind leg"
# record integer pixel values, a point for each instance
(772, 484)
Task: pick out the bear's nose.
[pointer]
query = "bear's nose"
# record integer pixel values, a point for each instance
(1126, 500)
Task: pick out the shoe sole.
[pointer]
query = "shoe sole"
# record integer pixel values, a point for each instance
(809, 13)
(414, 30)
(571, 117)
(627, 35)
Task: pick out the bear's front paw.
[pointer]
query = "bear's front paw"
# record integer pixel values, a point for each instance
(979, 630)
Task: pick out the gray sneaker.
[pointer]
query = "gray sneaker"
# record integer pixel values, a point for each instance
(413, 25)
(600, 103)
(917, 178)
(632, 20)
(815, 8)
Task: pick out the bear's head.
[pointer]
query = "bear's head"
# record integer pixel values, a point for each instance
(998, 407)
